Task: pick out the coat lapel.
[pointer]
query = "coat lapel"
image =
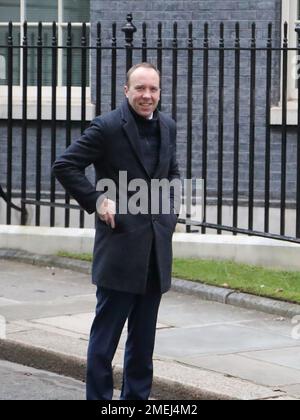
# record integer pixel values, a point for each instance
(164, 146)
(132, 133)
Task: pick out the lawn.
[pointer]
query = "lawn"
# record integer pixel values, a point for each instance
(245, 278)
(259, 281)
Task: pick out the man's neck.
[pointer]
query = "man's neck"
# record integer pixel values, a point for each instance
(148, 118)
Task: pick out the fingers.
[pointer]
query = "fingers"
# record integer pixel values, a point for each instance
(109, 219)
(107, 212)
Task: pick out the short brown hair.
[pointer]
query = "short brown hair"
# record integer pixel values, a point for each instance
(138, 66)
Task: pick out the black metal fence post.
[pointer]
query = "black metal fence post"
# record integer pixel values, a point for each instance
(252, 127)
(174, 71)
(205, 120)
(83, 76)
(159, 57)
(268, 129)
(9, 122)
(98, 70)
(68, 109)
(129, 29)
(189, 114)
(53, 121)
(114, 67)
(284, 130)
(24, 125)
(221, 127)
(39, 124)
(236, 145)
(83, 93)
(144, 43)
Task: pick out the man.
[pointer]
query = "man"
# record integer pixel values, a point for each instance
(133, 252)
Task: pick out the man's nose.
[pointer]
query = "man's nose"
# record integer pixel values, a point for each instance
(147, 94)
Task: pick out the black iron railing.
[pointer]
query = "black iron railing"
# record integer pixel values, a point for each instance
(11, 205)
(220, 91)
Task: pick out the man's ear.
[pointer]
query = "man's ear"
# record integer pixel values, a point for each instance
(126, 91)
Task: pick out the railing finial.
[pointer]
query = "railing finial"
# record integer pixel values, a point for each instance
(129, 29)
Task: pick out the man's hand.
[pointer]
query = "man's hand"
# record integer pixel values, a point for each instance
(107, 212)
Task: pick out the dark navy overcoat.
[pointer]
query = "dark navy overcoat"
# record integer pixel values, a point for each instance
(112, 144)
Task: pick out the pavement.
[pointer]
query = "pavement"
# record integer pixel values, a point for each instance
(211, 343)
(21, 383)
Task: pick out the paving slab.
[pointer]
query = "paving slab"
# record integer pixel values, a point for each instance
(237, 365)
(179, 310)
(287, 357)
(58, 341)
(179, 342)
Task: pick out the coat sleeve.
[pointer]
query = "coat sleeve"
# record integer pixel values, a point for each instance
(69, 169)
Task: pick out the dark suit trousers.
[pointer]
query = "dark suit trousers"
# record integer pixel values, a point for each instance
(112, 311)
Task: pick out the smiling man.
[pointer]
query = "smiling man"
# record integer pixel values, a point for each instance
(133, 252)
(143, 90)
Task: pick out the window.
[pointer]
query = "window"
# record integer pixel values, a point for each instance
(47, 11)
(291, 15)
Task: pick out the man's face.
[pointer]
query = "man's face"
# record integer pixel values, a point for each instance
(143, 91)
